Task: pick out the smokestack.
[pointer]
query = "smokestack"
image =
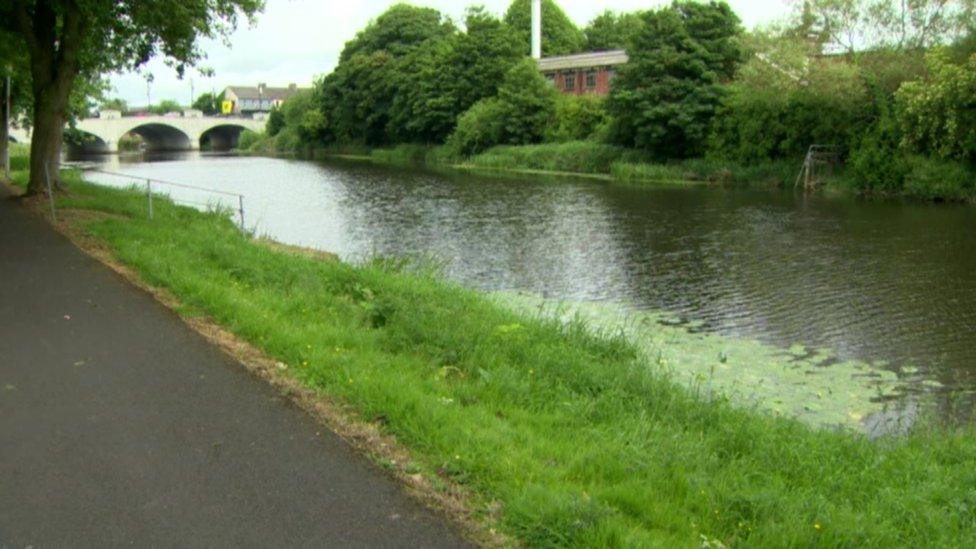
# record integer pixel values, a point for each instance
(537, 29)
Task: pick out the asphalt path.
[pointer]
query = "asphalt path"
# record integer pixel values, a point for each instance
(120, 426)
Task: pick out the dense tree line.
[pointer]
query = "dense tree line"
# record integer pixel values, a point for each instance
(887, 83)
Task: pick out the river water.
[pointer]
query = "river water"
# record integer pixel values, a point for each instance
(886, 282)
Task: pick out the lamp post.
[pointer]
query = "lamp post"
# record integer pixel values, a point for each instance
(5, 146)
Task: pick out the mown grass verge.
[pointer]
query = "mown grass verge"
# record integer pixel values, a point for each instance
(565, 438)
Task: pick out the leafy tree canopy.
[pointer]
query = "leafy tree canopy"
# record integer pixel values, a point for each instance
(481, 57)
(559, 34)
(165, 106)
(209, 103)
(611, 31)
(665, 98)
(68, 39)
(115, 104)
(937, 112)
(859, 25)
(397, 31)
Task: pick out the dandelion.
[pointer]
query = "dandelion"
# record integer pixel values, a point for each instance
(816, 526)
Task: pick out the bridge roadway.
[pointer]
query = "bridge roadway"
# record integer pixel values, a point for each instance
(160, 133)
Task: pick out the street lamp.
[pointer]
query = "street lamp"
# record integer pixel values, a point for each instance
(6, 122)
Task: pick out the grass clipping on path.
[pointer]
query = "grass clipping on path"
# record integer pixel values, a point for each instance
(565, 438)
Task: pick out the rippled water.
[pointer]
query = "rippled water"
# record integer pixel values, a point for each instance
(875, 281)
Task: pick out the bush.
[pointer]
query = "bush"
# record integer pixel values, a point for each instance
(479, 128)
(520, 115)
(248, 139)
(934, 179)
(937, 113)
(276, 121)
(877, 163)
(577, 118)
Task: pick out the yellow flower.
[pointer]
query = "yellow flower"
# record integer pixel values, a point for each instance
(816, 526)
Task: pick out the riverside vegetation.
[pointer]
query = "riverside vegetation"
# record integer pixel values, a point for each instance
(700, 99)
(564, 434)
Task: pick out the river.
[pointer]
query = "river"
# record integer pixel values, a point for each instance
(888, 282)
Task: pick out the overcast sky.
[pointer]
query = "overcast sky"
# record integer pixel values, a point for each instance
(297, 40)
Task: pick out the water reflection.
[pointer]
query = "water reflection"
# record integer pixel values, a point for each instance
(869, 280)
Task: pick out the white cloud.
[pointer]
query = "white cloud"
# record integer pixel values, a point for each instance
(294, 41)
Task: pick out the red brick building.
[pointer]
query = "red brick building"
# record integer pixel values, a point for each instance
(583, 73)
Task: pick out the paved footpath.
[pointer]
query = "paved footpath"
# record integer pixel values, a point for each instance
(121, 426)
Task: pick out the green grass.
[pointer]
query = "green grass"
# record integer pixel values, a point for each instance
(587, 158)
(579, 440)
(577, 156)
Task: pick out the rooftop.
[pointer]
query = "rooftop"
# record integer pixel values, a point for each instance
(583, 60)
(264, 92)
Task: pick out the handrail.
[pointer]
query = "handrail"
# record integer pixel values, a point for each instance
(162, 182)
(149, 192)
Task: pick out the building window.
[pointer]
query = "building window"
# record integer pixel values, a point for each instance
(551, 77)
(591, 80)
(611, 74)
(570, 82)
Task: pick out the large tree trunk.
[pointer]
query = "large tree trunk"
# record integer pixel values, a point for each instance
(47, 137)
(54, 66)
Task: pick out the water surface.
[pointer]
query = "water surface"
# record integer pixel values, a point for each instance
(886, 282)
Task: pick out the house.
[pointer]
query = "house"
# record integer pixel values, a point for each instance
(583, 73)
(255, 100)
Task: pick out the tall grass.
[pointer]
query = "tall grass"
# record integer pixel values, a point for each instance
(576, 156)
(570, 438)
(765, 174)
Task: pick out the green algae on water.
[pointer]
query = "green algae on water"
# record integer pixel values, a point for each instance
(812, 385)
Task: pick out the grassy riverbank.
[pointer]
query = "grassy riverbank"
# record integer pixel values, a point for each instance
(925, 179)
(574, 159)
(563, 438)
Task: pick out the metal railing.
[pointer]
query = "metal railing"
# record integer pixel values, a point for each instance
(149, 182)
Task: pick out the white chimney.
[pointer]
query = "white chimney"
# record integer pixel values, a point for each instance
(537, 29)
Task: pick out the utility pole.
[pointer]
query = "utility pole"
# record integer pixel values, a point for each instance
(5, 133)
(149, 80)
(536, 29)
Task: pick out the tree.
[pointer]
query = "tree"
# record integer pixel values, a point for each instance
(276, 122)
(115, 104)
(165, 106)
(664, 99)
(559, 34)
(65, 39)
(612, 31)
(397, 31)
(15, 66)
(520, 115)
(937, 114)
(481, 57)
(857, 25)
(209, 103)
(360, 98)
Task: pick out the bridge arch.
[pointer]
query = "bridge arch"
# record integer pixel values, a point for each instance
(82, 142)
(162, 137)
(221, 136)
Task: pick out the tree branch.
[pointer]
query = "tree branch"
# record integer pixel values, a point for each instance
(24, 26)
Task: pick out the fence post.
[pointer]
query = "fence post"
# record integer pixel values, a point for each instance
(240, 201)
(149, 197)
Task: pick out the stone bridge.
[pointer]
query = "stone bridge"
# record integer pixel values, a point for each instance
(160, 133)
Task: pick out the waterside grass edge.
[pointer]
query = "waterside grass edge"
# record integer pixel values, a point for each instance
(561, 437)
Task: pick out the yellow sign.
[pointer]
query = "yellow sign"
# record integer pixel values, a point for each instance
(227, 107)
